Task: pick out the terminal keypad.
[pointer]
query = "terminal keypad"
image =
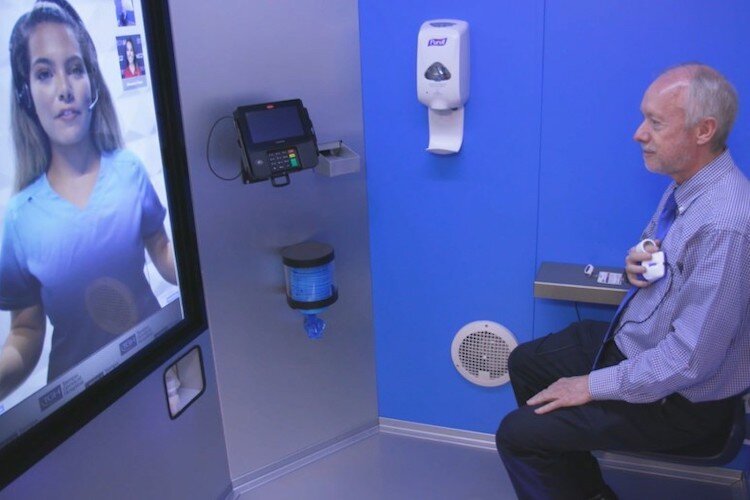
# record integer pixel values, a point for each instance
(283, 160)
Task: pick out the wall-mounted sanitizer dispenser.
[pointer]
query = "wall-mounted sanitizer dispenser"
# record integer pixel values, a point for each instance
(443, 81)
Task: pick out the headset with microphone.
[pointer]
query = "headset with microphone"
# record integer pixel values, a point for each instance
(23, 96)
(96, 97)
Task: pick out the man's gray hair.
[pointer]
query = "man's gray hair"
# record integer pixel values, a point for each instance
(710, 95)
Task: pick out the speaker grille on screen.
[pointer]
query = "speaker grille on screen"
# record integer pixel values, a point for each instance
(480, 352)
(111, 305)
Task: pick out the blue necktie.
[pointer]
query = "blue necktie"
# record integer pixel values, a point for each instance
(666, 218)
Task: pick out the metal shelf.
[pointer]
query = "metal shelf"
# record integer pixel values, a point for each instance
(564, 281)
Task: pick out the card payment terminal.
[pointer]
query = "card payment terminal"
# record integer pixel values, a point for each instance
(276, 138)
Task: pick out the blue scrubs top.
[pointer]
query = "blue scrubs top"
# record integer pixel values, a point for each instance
(84, 265)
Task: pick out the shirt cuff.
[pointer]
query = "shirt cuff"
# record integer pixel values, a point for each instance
(603, 383)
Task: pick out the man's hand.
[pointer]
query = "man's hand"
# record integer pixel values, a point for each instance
(573, 391)
(633, 267)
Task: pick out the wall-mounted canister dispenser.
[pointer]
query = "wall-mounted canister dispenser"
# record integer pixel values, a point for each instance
(443, 81)
(310, 285)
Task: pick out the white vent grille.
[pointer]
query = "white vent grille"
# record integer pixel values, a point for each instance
(480, 352)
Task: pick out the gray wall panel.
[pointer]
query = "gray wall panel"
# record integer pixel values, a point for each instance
(280, 392)
(134, 450)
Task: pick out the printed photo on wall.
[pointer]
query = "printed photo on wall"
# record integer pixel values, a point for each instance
(125, 12)
(130, 51)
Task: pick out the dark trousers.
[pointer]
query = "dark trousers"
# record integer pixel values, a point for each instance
(548, 456)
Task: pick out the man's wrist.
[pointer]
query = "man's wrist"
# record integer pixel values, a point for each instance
(603, 384)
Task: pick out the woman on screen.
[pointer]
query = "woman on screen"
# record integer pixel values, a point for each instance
(132, 68)
(84, 211)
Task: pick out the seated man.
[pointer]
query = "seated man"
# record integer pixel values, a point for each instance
(666, 372)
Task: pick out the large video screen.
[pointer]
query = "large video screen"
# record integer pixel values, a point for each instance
(89, 269)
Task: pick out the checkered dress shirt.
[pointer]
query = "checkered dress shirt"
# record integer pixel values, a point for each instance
(690, 331)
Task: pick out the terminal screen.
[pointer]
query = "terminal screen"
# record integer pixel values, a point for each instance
(274, 124)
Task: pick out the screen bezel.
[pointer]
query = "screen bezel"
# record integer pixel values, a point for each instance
(247, 137)
(24, 451)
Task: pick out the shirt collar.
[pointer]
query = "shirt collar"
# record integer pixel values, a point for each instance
(690, 190)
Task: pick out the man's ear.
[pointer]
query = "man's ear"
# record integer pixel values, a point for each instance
(706, 130)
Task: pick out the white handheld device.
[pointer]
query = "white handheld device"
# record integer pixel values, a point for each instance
(655, 266)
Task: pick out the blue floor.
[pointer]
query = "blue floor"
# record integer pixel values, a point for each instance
(387, 466)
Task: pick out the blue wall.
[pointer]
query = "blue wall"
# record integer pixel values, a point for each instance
(548, 171)
(452, 238)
